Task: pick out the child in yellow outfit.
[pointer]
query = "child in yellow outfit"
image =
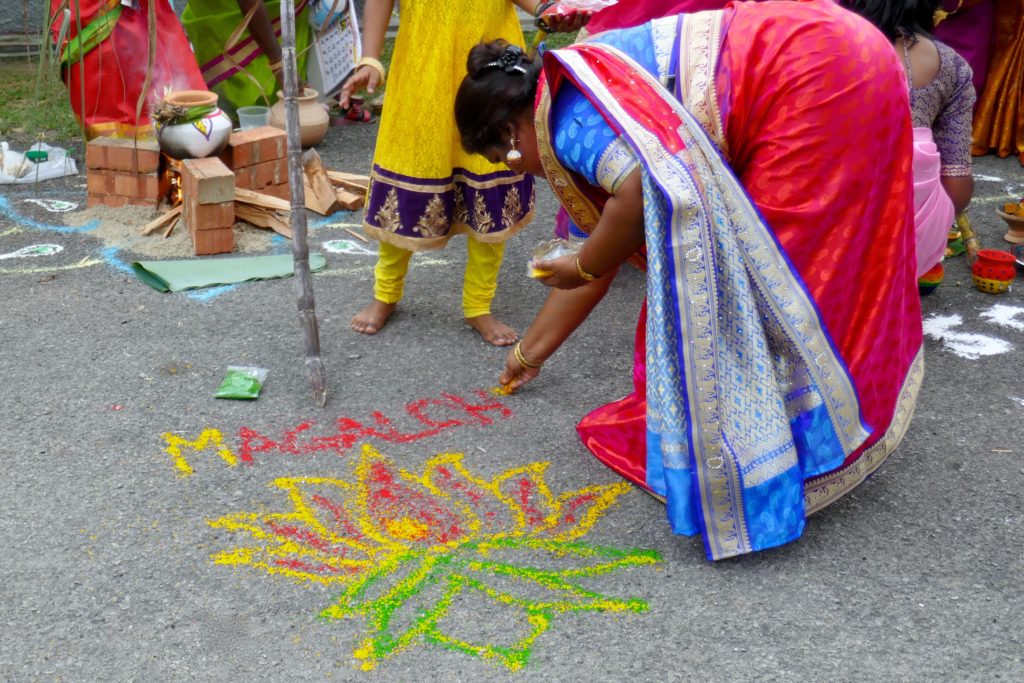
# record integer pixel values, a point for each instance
(423, 187)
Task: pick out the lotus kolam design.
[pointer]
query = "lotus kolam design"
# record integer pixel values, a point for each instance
(411, 553)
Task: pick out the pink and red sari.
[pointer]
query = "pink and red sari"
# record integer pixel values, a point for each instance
(105, 67)
(778, 354)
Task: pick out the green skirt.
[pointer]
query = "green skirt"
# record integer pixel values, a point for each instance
(241, 76)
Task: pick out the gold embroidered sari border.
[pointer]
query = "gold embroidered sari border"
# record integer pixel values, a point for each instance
(827, 489)
(576, 203)
(719, 481)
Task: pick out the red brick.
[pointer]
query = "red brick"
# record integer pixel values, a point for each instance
(207, 181)
(142, 201)
(259, 145)
(148, 186)
(220, 241)
(244, 178)
(141, 186)
(116, 201)
(123, 154)
(200, 217)
(99, 182)
(269, 173)
(282, 191)
(273, 145)
(105, 199)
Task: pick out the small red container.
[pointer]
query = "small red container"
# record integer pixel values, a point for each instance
(994, 270)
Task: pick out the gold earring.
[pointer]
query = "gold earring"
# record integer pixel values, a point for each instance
(514, 156)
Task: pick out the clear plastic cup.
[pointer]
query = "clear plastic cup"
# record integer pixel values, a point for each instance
(253, 117)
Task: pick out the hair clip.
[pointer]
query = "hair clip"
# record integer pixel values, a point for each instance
(510, 60)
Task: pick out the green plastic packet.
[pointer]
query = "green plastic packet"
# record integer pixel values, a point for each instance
(241, 383)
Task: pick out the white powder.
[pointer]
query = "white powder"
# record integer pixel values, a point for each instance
(964, 344)
(1005, 316)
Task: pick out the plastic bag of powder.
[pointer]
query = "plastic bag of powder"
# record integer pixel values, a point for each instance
(242, 382)
(549, 251)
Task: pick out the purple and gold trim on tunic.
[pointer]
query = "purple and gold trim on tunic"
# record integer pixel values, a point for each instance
(422, 214)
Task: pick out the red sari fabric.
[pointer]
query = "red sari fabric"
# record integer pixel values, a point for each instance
(105, 85)
(836, 193)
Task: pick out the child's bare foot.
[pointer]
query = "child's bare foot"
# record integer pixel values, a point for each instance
(493, 330)
(372, 317)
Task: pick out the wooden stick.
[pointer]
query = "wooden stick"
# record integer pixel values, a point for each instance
(260, 199)
(320, 193)
(300, 248)
(350, 201)
(264, 218)
(170, 226)
(160, 221)
(349, 181)
(356, 234)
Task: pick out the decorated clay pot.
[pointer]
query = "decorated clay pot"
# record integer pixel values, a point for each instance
(313, 118)
(199, 131)
(993, 271)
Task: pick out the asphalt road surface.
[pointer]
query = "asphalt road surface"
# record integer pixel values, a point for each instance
(421, 528)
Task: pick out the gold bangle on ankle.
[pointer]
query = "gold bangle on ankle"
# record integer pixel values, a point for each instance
(522, 359)
(584, 274)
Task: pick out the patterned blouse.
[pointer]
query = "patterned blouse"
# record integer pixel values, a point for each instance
(946, 105)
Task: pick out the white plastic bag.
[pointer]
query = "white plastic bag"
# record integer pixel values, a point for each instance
(15, 167)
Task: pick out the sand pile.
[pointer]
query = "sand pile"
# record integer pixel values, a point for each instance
(120, 228)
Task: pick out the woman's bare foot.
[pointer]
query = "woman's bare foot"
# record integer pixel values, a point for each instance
(372, 317)
(493, 330)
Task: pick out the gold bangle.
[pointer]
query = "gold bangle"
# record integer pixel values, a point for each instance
(543, 6)
(584, 274)
(277, 66)
(375, 65)
(522, 359)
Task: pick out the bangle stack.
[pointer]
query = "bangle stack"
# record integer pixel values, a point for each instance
(518, 351)
(582, 273)
(373, 64)
(543, 7)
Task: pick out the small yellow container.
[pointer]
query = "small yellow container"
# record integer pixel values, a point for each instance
(991, 286)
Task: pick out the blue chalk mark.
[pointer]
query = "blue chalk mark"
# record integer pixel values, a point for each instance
(109, 254)
(335, 217)
(210, 292)
(24, 221)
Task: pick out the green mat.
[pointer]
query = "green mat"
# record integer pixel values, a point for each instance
(175, 276)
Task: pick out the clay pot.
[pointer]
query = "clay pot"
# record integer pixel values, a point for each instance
(1014, 227)
(194, 139)
(993, 271)
(313, 118)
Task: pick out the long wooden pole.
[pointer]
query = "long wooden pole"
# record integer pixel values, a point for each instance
(300, 248)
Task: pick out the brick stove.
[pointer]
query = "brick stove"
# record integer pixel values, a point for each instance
(124, 172)
(119, 174)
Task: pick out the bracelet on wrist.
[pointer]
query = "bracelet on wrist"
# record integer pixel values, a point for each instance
(526, 363)
(277, 66)
(584, 274)
(543, 6)
(375, 65)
